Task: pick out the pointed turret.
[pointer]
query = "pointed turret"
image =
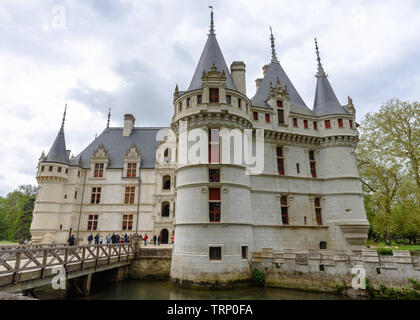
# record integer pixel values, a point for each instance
(211, 55)
(58, 153)
(326, 102)
(272, 72)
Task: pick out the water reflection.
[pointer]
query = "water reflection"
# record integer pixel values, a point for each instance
(163, 290)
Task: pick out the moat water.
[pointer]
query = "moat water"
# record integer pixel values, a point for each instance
(163, 290)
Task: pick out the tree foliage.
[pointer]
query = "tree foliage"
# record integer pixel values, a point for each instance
(16, 213)
(388, 158)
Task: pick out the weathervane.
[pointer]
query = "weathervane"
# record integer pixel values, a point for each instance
(211, 21)
(64, 116)
(273, 48)
(109, 118)
(321, 72)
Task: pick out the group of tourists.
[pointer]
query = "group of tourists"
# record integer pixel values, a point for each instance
(114, 238)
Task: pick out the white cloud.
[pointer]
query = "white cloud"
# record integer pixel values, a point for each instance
(129, 55)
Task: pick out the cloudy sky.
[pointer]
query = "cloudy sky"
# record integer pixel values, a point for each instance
(129, 55)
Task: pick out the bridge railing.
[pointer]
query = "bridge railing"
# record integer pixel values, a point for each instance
(21, 259)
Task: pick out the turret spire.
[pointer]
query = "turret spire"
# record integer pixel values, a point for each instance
(211, 22)
(64, 117)
(321, 72)
(109, 118)
(273, 48)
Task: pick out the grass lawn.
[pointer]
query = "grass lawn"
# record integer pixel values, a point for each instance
(7, 242)
(394, 246)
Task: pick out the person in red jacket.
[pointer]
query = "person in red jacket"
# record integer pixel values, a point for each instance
(145, 239)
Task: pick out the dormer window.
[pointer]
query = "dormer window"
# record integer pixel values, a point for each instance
(279, 104)
(199, 98)
(214, 95)
(131, 169)
(280, 115)
(99, 170)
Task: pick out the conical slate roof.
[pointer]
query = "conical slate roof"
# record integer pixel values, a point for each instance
(274, 72)
(58, 152)
(326, 102)
(212, 54)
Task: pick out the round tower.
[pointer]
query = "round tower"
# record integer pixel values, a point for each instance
(213, 231)
(48, 222)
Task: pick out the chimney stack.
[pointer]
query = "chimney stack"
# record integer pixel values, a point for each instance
(129, 121)
(265, 69)
(257, 83)
(237, 69)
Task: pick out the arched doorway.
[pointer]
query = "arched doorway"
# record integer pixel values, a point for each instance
(164, 234)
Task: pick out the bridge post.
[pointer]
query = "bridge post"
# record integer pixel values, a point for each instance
(86, 284)
(136, 241)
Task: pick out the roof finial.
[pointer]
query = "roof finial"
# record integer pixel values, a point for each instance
(109, 118)
(64, 116)
(211, 22)
(273, 48)
(321, 72)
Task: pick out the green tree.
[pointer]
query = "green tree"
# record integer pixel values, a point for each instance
(388, 157)
(16, 213)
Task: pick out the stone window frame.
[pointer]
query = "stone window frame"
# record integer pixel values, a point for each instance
(215, 245)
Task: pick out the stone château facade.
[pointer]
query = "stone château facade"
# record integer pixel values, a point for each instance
(131, 179)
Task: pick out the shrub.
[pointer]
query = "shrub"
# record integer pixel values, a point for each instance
(259, 277)
(384, 251)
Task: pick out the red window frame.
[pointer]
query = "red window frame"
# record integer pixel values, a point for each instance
(305, 124)
(99, 170)
(315, 125)
(213, 95)
(214, 146)
(96, 195)
(130, 193)
(280, 161)
(255, 115)
(340, 123)
(127, 223)
(214, 175)
(318, 213)
(131, 169)
(312, 163)
(280, 115)
(215, 253)
(279, 104)
(295, 122)
(327, 124)
(214, 205)
(284, 210)
(267, 118)
(92, 222)
(351, 124)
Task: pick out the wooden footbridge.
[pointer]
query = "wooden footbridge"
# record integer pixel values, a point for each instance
(26, 267)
